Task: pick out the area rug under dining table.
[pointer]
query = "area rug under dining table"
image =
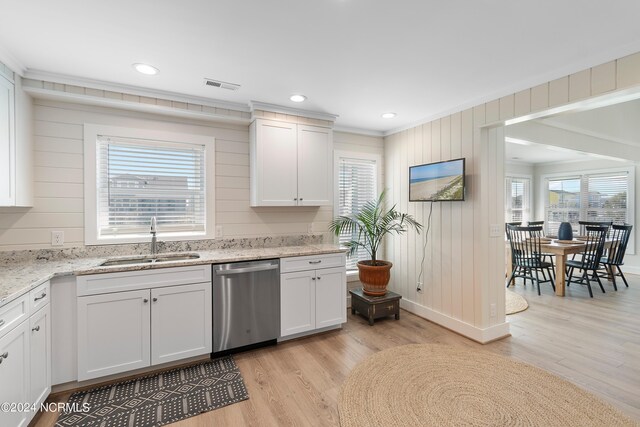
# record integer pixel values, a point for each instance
(441, 385)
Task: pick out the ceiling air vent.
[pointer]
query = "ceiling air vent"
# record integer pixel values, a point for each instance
(222, 85)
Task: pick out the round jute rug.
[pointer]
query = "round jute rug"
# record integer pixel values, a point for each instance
(515, 303)
(439, 385)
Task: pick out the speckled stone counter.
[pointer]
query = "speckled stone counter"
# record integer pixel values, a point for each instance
(20, 273)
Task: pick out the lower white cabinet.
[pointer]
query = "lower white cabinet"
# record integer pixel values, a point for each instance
(113, 333)
(25, 357)
(123, 331)
(14, 374)
(40, 355)
(312, 299)
(180, 322)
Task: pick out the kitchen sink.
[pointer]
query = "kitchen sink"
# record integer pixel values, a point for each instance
(149, 260)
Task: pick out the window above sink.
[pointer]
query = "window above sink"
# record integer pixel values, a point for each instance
(132, 175)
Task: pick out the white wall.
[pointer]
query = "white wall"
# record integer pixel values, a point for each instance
(58, 203)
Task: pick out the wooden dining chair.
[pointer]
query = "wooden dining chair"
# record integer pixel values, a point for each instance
(584, 224)
(591, 258)
(614, 256)
(545, 255)
(526, 256)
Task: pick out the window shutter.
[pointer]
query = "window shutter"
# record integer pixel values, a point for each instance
(357, 184)
(139, 179)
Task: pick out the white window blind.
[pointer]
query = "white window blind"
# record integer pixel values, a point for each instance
(517, 199)
(598, 197)
(357, 184)
(140, 179)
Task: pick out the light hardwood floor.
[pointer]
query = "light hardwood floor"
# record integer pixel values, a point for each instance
(594, 343)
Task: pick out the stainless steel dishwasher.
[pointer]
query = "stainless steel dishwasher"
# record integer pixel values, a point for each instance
(246, 305)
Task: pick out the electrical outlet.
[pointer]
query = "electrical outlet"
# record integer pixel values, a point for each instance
(310, 228)
(493, 310)
(219, 231)
(495, 230)
(57, 238)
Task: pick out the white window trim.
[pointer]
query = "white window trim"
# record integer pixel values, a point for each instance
(91, 133)
(531, 191)
(631, 199)
(352, 276)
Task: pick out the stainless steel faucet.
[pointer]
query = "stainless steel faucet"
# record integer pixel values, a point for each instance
(154, 241)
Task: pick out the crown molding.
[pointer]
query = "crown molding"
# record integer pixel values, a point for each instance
(358, 131)
(257, 105)
(130, 106)
(132, 90)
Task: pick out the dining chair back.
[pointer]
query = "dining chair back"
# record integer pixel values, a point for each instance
(584, 224)
(526, 255)
(591, 257)
(614, 256)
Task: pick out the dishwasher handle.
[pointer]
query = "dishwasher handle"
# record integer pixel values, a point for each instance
(246, 269)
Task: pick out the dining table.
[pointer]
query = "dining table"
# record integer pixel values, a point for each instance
(561, 249)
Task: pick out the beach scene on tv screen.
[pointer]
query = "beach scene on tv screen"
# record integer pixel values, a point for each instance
(439, 181)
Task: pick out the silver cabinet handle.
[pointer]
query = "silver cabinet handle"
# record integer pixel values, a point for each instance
(36, 329)
(315, 262)
(1, 322)
(145, 300)
(301, 199)
(155, 299)
(44, 294)
(313, 278)
(264, 267)
(296, 199)
(319, 277)
(4, 355)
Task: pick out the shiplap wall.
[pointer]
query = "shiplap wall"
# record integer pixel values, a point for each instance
(464, 266)
(58, 203)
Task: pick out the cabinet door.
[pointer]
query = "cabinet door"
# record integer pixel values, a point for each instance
(14, 373)
(7, 143)
(297, 302)
(40, 354)
(113, 333)
(274, 168)
(331, 297)
(315, 168)
(180, 322)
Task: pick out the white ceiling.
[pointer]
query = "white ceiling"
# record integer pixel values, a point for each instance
(354, 58)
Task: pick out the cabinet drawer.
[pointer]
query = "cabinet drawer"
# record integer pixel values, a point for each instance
(312, 262)
(39, 297)
(94, 284)
(13, 313)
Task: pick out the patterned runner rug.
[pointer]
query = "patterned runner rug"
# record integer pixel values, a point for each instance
(159, 399)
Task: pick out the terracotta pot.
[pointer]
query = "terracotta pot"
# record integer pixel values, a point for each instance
(374, 278)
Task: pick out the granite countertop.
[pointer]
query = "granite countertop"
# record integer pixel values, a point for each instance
(17, 278)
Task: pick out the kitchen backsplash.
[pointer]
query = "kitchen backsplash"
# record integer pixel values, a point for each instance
(105, 251)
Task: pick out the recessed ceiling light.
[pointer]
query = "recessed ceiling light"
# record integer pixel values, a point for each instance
(388, 115)
(146, 69)
(297, 98)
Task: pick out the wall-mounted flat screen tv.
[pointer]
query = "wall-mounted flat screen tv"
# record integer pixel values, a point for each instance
(437, 182)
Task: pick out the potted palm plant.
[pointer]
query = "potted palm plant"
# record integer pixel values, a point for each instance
(367, 229)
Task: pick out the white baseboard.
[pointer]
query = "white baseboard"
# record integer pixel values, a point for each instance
(482, 336)
(630, 269)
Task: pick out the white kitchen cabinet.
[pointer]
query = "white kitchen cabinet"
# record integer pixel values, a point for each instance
(113, 333)
(40, 355)
(14, 374)
(122, 327)
(290, 164)
(181, 324)
(312, 298)
(7, 142)
(297, 302)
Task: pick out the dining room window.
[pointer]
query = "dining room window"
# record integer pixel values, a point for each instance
(517, 199)
(594, 196)
(357, 183)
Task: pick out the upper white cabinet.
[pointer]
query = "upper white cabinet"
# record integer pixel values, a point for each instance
(7, 142)
(16, 143)
(290, 164)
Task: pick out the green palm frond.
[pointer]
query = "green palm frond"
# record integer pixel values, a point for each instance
(371, 224)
